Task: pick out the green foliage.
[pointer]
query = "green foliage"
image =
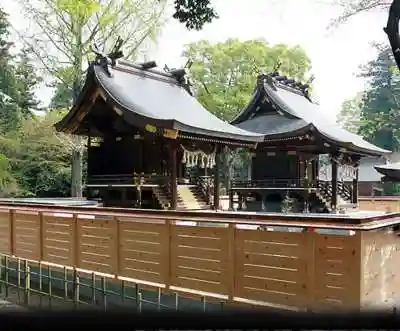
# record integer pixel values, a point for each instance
(18, 80)
(350, 114)
(8, 185)
(69, 28)
(380, 108)
(40, 159)
(194, 13)
(224, 74)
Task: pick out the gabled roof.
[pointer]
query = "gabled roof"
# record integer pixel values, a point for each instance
(292, 112)
(151, 97)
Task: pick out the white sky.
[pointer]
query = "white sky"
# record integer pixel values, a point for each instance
(335, 55)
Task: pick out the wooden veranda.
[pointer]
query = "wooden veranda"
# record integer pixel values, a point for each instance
(299, 262)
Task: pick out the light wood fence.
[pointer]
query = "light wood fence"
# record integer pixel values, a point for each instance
(384, 204)
(301, 270)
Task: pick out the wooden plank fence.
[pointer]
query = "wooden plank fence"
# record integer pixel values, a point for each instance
(300, 270)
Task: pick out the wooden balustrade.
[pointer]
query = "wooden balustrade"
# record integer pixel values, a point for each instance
(302, 269)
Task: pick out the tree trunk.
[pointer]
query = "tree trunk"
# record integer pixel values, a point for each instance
(76, 174)
(77, 155)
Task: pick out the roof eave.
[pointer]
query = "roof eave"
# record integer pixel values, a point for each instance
(86, 92)
(352, 147)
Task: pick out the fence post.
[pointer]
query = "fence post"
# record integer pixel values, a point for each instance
(231, 262)
(27, 284)
(12, 232)
(117, 250)
(310, 281)
(75, 288)
(41, 236)
(6, 275)
(75, 234)
(168, 250)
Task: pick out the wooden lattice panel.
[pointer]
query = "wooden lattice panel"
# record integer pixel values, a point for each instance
(97, 245)
(337, 271)
(27, 235)
(272, 266)
(58, 240)
(5, 232)
(144, 251)
(199, 258)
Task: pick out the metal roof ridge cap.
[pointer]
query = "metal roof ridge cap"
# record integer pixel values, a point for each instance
(129, 64)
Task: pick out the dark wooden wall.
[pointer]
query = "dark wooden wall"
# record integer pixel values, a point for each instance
(127, 156)
(278, 166)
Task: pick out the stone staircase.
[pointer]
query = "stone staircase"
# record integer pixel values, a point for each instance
(189, 198)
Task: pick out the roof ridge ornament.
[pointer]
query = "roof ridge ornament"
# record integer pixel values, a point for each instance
(181, 76)
(105, 60)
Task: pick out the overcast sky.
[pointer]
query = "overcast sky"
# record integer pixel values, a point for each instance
(335, 55)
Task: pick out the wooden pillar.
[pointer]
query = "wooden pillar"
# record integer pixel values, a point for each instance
(334, 183)
(216, 176)
(231, 194)
(173, 178)
(355, 188)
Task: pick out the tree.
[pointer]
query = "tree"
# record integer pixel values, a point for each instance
(66, 30)
(27, 80)
(224, 76)
(18, 79)
(39, 157)
(350, 114)
(380, 102)
(194, 13)
(9, 116)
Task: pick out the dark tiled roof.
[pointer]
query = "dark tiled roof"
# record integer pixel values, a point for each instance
(158, 98)
(296, 110)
